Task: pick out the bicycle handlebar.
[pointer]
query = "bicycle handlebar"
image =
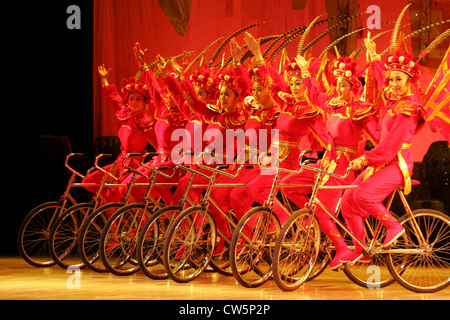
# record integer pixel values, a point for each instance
(104, 155)
(304, 164)
(154, 170)
(66, 163)
(219, 170)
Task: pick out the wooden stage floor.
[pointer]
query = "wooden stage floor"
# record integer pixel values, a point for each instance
(20, 281)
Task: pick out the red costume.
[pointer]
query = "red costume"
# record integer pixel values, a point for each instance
(195, 128)
(258, 128)
(346, 122)
(166, 101)
(218, 149)
(135, 132)
(296, 120)
(390, 162)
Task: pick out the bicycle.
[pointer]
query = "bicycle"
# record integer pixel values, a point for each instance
(254, 237)
(356, 272)
(119, 236)
(191, 239)
(92, 227)
(418, 261)
(63, 239)
(34, 232)
(150, 244)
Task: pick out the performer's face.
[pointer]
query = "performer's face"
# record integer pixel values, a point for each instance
(399, 83)
(343, 89)
(261, 94)
(136, 101)
(202, 94)
(297, 88)
(228, 99)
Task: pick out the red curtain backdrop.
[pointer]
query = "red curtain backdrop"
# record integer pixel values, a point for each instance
(119, 24)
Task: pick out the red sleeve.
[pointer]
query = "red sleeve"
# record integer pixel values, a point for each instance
(173, 85)
(378, 70)
(388, 149)
(197, 104)
(314, 93)
(112, 95)
(367, 118)
(155, 91)
(371, 128)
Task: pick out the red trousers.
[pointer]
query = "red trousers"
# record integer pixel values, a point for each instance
(232, 197)
(328, 197)
(367, 198)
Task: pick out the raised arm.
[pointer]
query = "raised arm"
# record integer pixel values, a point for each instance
(110, 91)
(153, 85)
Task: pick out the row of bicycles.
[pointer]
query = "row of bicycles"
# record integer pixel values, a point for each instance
(182, 241)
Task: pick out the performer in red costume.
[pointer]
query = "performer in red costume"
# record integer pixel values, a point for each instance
(223, 119)
(169, 118)
(297, 119)
(199, 90)
(262, 111)
(134, 111)
(390, 162)
(348, 118)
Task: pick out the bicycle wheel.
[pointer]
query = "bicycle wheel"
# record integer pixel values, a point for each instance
(420, 261)
(189, 244)
(64, 235)
(296, 250)
(220, 261)
(374, 275)
(252, 246)
(90, 233)
(150, 245)
(34, 233)
(326, 248)
(119, 238)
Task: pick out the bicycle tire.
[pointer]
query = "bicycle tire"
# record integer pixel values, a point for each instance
(34, 233)
(63, 241)
(374, 275)
(424, 265)
(296, 250)
(252, 245)
(150, 245)
(323, 257)
(90, 233)
(189, 244)
(119, 238)
(220, 261)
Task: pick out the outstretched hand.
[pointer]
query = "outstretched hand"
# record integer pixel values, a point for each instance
(302, 63)
(252, 43)
(236, 50)
(176, 67)
(162, 63)
(139, 54)
(371, 47)
(102, 71)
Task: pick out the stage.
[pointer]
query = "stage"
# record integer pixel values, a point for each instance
(20, 281)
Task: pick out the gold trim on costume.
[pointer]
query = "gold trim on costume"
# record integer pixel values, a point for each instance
(283, 147)
(403, 168)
